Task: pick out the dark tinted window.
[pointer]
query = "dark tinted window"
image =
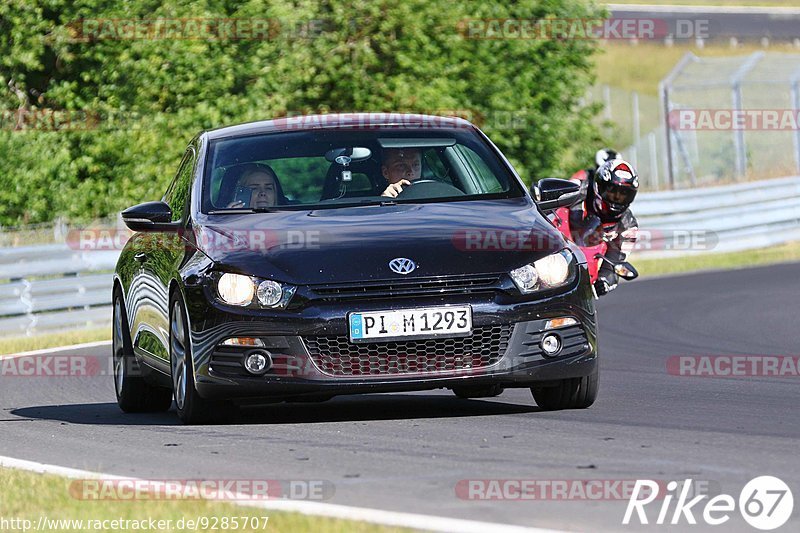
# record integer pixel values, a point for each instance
(177, 195)
(291, 170)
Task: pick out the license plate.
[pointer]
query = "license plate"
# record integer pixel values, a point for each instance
(401, 323)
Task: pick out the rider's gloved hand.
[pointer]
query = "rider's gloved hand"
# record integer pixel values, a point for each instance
(606, 282)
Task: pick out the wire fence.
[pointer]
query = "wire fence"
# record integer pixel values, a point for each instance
(632, 121)
(717, 120)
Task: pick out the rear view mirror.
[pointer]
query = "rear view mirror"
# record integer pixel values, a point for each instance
(345, 156)
(552, 193)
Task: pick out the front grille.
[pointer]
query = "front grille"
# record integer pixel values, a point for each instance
(337, 356)
(228, 360)
(408, 287)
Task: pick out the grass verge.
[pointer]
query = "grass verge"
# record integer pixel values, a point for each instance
(784, 253)
(641, 67)
(29, 496)
(12, 345)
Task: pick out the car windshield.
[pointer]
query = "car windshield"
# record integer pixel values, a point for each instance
(336, 168)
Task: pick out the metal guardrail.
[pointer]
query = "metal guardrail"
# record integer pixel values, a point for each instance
(53, 287)
(726, 218)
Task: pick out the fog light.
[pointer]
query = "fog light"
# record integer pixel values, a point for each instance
(551, 344)
(257, 362)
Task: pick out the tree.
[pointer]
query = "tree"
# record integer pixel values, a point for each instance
(139, 101)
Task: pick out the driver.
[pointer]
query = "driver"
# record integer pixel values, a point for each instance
(401, 167)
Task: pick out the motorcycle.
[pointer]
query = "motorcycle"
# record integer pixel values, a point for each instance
(596, 253)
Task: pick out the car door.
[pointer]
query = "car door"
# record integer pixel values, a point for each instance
(159, 254)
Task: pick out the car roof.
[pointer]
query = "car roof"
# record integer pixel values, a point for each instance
(341, 121)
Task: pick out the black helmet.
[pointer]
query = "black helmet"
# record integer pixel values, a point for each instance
(605, 154)
(615, 186)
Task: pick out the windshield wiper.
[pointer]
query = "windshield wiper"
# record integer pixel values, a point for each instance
(242, 210)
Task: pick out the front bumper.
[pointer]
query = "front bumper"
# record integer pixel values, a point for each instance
(521, 362)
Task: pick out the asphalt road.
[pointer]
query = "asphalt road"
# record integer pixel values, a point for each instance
(717, 23)
(407, 452)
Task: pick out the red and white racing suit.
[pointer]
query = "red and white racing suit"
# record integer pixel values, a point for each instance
(590, 229)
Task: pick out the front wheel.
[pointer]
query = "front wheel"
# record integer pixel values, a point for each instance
(134, 394)
(191, 407)
(572, 393)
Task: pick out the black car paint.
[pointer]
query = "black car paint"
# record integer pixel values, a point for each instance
(355, 246)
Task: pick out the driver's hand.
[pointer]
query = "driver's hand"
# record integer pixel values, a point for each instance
(235, 204)
(395, 188)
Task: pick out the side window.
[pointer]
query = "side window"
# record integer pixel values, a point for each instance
(177, 194)
(433, 167)
(480, 175)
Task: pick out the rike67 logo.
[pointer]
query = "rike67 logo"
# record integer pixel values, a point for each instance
(765, 503)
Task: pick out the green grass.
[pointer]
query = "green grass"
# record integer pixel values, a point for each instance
(27, 495)
(785, 253)
(641, 67)
(12, 345)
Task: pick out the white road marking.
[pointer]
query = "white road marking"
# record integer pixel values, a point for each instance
(328, 510)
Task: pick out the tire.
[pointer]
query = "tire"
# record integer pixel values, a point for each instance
(486, 391)
(134, 394)
(191, 407)
(573, 393)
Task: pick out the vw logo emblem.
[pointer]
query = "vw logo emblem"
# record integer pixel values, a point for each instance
(402, 265)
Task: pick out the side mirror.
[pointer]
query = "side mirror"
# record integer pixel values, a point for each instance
(150, 216)
(552, 193)
(626, 271)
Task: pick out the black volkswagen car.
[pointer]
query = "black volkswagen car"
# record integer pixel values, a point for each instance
(303, 258)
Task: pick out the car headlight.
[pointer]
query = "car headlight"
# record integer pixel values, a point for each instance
(269, 293)
(547, 273)
(235, 289)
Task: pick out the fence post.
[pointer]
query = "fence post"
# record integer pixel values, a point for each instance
(736, 97)
(636, 129)
(795, 95)
(664, 87)
(651, 137)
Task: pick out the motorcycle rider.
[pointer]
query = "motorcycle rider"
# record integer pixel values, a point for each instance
(604, 212)
(600, 157)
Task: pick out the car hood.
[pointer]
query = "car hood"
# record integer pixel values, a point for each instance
(357, 243)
